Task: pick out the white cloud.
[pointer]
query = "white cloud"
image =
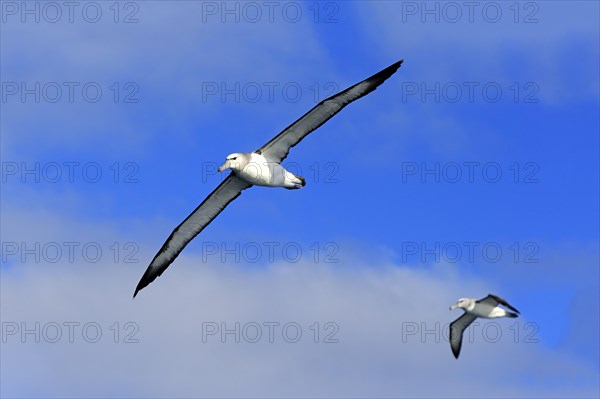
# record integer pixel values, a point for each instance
(372, 305)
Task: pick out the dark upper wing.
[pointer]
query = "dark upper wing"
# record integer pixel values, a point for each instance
(457, 327)
(495, 300)
(226, 192)
(277, 149)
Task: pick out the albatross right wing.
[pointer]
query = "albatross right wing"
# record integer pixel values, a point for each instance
(457, 328)
(227, 191)
(494, 300)
(278, 148)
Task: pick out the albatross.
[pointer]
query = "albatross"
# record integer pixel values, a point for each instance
(487, 308)
(259, 168)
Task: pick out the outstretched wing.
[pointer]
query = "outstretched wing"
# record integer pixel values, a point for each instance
(457, 328)
(226, 192)
(278, 148)
(494, 300)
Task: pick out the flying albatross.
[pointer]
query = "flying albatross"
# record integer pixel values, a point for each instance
(486, 307)
(261, 168)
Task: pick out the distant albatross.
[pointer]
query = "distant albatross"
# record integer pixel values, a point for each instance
(486, 307)
(261, 168)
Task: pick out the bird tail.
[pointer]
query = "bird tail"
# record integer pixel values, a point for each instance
(298, 183)
(302, 180)
(511, 314)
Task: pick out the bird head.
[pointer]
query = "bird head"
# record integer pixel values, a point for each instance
(234, 161)
(462, 303)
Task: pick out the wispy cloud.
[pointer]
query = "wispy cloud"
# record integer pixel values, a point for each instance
(371, 320)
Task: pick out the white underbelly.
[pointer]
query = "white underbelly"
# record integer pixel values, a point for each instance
(260, 172)
(487, 311)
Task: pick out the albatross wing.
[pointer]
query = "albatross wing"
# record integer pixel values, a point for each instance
(494, 300)
(227, 191)
(457, 327)
(278, 148)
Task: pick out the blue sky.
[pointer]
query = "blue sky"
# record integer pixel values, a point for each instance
(485, 140)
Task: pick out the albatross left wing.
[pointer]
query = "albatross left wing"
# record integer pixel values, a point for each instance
(278, 148)
(227, 191)
(494, 300)
(457, 328)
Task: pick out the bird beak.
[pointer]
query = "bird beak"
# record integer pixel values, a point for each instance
(223, 167)
(453, 307)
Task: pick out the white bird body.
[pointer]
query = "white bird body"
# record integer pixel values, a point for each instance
(257, 170)
(480, 309)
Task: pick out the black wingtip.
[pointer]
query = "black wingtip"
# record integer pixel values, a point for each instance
(137, 289)
(144, 281)
(393, 68)
(384, 74)
(397, 65)
(455, 352)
